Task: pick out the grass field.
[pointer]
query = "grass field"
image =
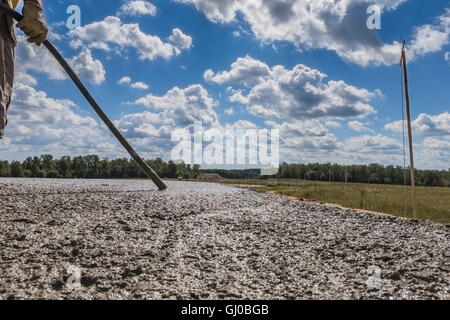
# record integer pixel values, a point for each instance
(433, 202)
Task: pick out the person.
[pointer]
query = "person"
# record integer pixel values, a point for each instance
(35, 28)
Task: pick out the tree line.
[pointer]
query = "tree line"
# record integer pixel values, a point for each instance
(92, 167)
(373, 173)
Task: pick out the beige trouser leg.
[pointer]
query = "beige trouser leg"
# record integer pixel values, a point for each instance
(7, 45)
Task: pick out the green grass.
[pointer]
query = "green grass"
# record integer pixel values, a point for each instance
(433, 202)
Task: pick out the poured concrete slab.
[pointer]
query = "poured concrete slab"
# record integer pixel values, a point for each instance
(206, 241)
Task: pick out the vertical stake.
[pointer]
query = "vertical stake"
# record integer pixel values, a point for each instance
(410, 137)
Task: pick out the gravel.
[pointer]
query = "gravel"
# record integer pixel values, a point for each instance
(206, 241)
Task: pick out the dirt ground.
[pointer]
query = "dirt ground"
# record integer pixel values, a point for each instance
(67, 239)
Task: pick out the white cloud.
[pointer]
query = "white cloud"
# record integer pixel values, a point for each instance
(310, 149)
(309, 141)
(377, 144)
(244, 124)
(247, 71)
(327, 148)
(41, 124)
(316, 147)
(134, 85)
(216, 10)
(359, 126)
(292, 94)
(139, 85)
(35, 106)
(125, 80)
(180, 40)
(426, 125)
(151, 131)
(88, 68)
(338, 25)
(229, 111)
(431, 38)
(111, 31)
(306, 141)
(137, 7)
(437, 144)
(434, 153)
(447, 56)
(297, 128)
(332, 124)
(145, 125)
(38, 59)
(184, 106)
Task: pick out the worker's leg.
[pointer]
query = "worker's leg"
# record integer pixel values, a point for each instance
(7, 44)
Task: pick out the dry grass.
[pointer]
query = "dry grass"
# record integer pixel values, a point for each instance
(433, 202)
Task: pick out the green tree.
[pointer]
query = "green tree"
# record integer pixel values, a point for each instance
(5, 169)
(16, 169)
(172, 170)
(47, 162)
(79, 167)
(92, 166)
(36, 166)
(64, 167)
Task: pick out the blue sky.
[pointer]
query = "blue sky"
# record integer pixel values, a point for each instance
(313, 70)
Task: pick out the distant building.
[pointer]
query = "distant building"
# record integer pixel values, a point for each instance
(210, 177)
(180, 178)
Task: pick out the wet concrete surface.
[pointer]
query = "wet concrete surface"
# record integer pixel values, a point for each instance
(206, 241)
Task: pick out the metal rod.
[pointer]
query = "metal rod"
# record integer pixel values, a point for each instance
(410, 136)
(145, 167)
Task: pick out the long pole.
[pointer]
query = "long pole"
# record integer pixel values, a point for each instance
(145, 167)
(410, 136)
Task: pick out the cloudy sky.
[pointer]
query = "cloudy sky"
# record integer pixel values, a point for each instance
(310, 68)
